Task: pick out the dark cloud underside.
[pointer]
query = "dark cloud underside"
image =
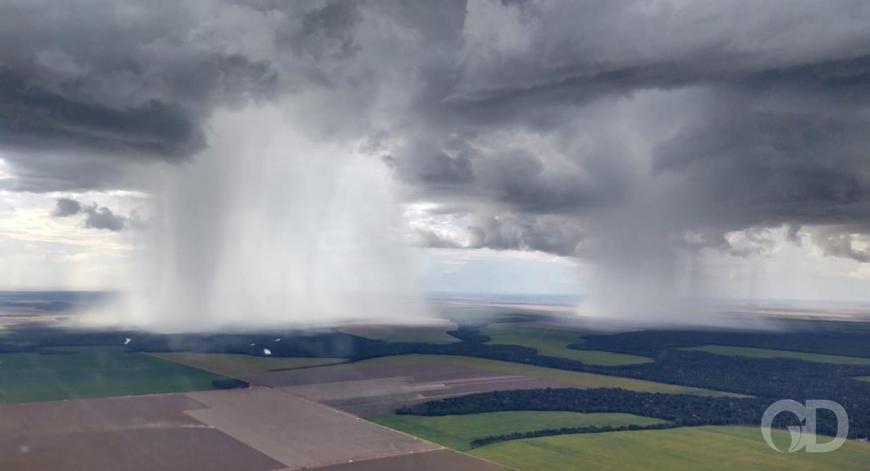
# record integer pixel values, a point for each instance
(550, 123)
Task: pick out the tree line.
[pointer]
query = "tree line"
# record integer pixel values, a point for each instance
(680, 410)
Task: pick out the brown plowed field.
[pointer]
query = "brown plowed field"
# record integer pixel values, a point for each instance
(126, 433)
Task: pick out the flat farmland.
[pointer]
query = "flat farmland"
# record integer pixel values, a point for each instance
(554, 342)
(137, 433)
(66, 373)
(426, 366)
(458, 431)
(242, 366)
(380, 386)
(254, 429)
(297, 432)
(376, 389)
(687, 448)
(770, 353)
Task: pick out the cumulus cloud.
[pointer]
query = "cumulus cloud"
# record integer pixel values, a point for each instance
(66, 207)
(96, 217)
(507, 232)
(838, 243)
(104, 218)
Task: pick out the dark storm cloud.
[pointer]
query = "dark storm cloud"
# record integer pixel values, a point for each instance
(568, 120)
(794, 153)
(587, 48)
(110, 78)
(38, 119)
(758, 119)
(432, 167)
(514, 178)
(40, 172)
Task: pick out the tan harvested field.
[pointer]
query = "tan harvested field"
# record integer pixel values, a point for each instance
(242, 366)
(367, 389)
(356, 397)
(129, 433)
(297, 432)
(440, 460)
(422, 368)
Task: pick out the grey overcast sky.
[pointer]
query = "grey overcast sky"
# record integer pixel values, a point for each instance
(720, 145)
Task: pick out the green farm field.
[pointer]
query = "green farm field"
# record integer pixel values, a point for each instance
(570, 378)
(79, 372)
(687, 448)
(457, 431)
(241, 366)
(769, 353)
(554, 343)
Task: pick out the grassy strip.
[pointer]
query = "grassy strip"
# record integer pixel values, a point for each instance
(460, 431)
(753, 352)
(242, 366)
